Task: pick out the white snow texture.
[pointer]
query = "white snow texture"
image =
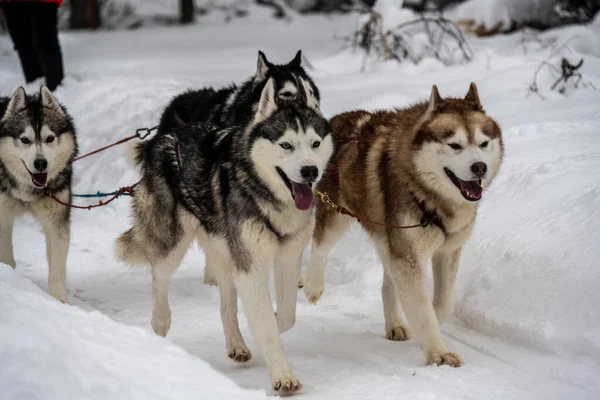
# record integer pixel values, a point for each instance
(526, 324)
(52, 351)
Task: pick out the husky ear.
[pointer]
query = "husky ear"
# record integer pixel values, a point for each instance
(297, 61)
(17, 102)
(48, 99)
(266, 105)
(262, 67)
(434, 100)
(473, 95)
(311, 98)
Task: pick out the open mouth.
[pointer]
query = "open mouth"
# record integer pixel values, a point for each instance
(301, 192)
(38, 179)
(471, 190)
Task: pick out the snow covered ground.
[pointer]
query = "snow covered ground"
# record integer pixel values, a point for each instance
(527, 323)
(53, 351)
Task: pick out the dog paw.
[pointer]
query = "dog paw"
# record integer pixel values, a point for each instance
(439, 359)
(161, 324)
(59, 294)
(301, 283)
(239, 354)
(211, 281)
(286, 384)
(399, 333)
(313, 290)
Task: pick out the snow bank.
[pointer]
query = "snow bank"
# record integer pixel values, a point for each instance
(492, 13)
(49, 350)
(530, 273)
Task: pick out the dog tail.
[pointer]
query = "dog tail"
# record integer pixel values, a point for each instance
(129, 251)
(135, 153)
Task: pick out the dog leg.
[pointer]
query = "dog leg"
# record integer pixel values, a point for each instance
(329, 230)
(253, 286)
(409, 276)
(6, 244)
(209, 274)
(57, 249)
(161, 276)
(445, 267)
(287, 275)
(395, 326)
(56, 226)
(288, 264)
(236, 347)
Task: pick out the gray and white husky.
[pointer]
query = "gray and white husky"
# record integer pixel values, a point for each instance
(37, 147)
(245, 194)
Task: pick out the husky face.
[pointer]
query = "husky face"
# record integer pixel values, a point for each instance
(290, 147)
(291, 81)
(36, 138)
(458, 148)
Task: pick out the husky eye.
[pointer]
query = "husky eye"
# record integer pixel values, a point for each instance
(455, 146)
(484, 144)
(25, 140)
(286, 95)
(50, 139)
(316, 144)
(285, 146)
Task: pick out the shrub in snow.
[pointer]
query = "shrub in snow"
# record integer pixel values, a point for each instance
(561, 71)
(389, 31)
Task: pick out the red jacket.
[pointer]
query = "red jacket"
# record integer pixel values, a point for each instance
(57, 2)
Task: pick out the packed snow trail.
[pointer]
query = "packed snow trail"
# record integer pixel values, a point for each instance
(526, 321)
(63, 352)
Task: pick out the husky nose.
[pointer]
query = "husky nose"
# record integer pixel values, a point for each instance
(40, 164)
(310, 173)
(479, 169)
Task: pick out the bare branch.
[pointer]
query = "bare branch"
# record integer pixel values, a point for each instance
(566, 73)
(444, 39)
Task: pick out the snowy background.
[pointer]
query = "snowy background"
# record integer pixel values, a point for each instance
(527, 323)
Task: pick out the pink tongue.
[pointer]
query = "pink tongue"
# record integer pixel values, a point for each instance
(472, 187)
(303, 195)
(39, 179)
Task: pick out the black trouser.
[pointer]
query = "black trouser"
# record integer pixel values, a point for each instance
(34, 31)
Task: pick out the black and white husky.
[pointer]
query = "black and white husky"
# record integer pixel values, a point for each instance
(236, 105)
(37, 148)
(245, 194)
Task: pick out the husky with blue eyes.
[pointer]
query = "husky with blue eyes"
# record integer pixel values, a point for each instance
(237, 104)
(245, 194)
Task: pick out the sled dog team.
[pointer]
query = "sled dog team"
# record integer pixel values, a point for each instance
(236, 169)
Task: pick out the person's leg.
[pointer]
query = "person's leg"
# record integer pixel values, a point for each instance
(19, 23)
(45, 38)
